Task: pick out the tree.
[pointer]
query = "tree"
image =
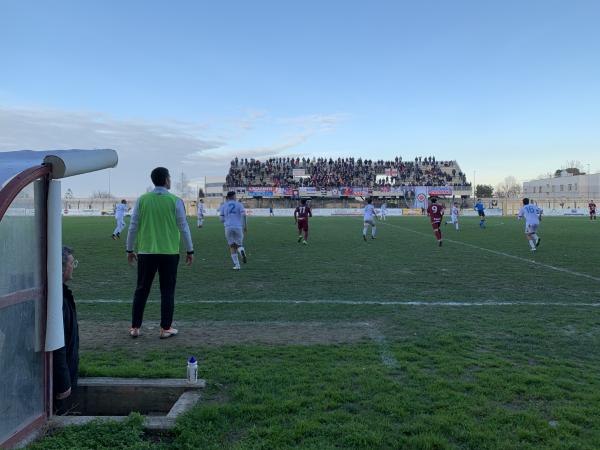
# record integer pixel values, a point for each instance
(484, 191)
(510, 187)
(183, 186)
(573, 167)
(102, 195)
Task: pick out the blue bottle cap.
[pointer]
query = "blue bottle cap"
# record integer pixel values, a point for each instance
(192, 360)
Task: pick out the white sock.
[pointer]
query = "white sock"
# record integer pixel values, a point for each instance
(365, 231)
(240, 250)
(373, 231)
(456, 224)
(532, 243)
(535, 237)
(236, 261)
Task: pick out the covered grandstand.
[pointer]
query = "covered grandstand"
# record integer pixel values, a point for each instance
(342, 182)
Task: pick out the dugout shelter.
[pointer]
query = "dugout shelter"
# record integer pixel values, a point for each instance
(31, 324)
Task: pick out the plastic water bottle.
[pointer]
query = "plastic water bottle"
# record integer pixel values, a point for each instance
(192, 371)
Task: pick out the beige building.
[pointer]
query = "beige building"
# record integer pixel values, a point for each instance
(564, 191)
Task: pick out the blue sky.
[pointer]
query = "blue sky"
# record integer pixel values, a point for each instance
(506, 88)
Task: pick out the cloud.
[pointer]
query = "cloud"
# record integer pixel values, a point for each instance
(259, 152)
(316, 122)
(290, 132)
(253, 116)
(47, 129)
(195, 148)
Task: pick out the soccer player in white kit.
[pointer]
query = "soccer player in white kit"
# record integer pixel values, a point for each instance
(383, 211)
(369, 220)
(453, 216)
(532, 215)
(200, 210)
(233, 216)
(120, 211)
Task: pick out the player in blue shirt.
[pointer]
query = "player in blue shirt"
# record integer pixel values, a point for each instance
(481, 211)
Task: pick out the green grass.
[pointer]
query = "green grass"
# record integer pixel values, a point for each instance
(414, 376)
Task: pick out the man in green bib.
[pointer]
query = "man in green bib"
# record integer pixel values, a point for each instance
(157, 222)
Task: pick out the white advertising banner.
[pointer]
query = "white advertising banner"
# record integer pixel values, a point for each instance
(317, 212)
(488, 212)
(566, 212)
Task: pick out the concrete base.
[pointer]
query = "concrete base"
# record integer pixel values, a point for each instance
(161, 400)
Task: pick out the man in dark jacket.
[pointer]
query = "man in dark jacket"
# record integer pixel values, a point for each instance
(66, 359)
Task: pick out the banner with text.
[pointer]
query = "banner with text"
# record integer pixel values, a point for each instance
(440, 190)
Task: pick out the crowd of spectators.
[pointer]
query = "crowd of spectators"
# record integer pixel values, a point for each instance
(341, 172)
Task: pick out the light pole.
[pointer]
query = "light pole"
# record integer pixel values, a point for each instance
(589, 179)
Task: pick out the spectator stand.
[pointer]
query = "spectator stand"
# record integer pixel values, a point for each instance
(344, 182)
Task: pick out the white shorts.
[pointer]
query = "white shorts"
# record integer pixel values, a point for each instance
(531, 228)
(370, 222)
(454, 219)
(234, 236)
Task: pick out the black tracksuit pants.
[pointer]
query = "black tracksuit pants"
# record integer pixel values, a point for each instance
(148, 265)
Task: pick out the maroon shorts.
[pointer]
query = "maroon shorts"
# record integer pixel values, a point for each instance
(435, 225)
(303, 225)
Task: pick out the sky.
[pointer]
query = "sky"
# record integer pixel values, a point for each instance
(508, 88)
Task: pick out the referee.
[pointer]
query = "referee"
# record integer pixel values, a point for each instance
(156, 223)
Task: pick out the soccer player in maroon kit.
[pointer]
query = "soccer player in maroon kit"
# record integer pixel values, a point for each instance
(301, 215)
(436, 213)
(592, 207)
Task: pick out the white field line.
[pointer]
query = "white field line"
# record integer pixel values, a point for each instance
(387, 358)
(508, 255)
(353, 302)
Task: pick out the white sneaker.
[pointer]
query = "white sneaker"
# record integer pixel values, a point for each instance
(167, 333)
(134, 332)
(236, 267)
(533, 249)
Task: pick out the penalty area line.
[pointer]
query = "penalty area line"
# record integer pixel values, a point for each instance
(508, 255)
(352, 302)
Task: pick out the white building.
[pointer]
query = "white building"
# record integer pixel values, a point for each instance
(566, 190)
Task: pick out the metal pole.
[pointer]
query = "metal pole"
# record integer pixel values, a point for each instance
(589, 179)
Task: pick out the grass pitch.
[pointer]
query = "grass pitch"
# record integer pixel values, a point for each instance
(391, 343)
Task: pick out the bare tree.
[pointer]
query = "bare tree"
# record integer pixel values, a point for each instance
(510, 187)
(573, 164)
(183, 186)
(102, 195)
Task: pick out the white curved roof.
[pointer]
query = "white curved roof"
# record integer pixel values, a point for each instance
(65, 163)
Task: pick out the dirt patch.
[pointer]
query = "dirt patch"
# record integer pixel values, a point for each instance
(110, 335)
